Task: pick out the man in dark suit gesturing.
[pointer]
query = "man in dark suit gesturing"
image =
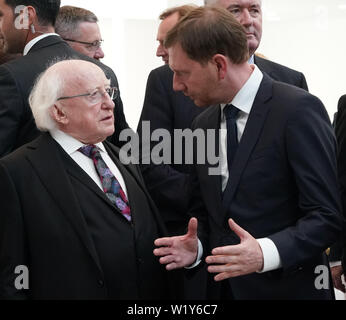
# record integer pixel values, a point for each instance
(272, 207)
(166, 109)
(80, 222)
(28, 28)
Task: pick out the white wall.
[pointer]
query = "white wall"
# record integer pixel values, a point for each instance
(305, 35)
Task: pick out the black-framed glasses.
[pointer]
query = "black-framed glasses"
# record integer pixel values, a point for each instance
(95, 96)
(94, 45)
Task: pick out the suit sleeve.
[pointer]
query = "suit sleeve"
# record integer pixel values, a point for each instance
(167, 186)
(303, 83)
(339, 249)
(11, 109)
(311, 153)
(12, 249)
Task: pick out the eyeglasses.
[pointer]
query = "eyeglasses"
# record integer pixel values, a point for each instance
(92, 45)
(95, 96)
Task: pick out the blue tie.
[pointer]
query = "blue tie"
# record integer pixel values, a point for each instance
(231, 113)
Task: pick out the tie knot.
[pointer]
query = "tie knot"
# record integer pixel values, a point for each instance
(231, 111)
(90, 150)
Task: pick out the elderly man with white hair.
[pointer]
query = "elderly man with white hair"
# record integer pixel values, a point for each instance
(76, 222)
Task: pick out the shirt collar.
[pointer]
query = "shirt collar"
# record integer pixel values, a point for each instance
(31, 43)
(245, 97)
(252, 59)
(70, 144)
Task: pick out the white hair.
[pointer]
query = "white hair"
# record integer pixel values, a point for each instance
(43, 96)
(210, 2)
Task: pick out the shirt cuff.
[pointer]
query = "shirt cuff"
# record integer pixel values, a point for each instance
(271, 256)
(199, 256)
(335, 264)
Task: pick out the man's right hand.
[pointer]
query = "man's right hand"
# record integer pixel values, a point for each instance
(180, 251)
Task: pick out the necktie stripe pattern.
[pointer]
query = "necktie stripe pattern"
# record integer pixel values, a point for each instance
(110, 184)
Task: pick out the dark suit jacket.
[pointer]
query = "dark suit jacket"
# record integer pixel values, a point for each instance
(17, 125)
(283, 185)
(49, 224)
(338, 251)
(281, 73)
(166, 109)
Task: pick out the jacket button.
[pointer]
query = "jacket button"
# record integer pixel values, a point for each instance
(101, 283)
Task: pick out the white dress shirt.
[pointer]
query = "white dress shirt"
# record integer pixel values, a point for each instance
(71, 146)
(31, 43)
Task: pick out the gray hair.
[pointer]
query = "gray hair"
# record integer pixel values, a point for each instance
(69, 18)
(43, 96)
(210, 2)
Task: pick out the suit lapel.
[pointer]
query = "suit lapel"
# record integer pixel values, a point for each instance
(214, 180)
(249, 139)
(262, 64)
(47, 160)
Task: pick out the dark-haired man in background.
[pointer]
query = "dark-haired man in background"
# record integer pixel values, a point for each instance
(28, 27)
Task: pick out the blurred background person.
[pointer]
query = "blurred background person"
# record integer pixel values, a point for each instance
(40, 45)
(338, 251)
(166, 109)
(5, 57)
(249, 14)
(79, 27)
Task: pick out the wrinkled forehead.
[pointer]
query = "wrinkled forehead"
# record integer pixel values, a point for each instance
(83, 76)
(241, 3)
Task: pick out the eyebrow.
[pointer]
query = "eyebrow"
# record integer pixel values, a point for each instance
(234, 6)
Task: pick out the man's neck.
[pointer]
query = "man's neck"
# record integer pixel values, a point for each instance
(239, 75)
(39, 31)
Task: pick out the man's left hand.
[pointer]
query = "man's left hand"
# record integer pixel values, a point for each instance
(237, 260)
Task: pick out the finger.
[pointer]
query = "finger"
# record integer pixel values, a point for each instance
(228, 251)
(169, 259)
(192, 228)
(220, 268)
(219, 259)
(163, 251)
(240, 232)
(227, 275)
(161, 242)
(172, 266)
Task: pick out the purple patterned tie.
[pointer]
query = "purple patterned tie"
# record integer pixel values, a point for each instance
(110, 184)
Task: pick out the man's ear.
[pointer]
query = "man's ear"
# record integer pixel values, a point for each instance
(26, 17)
(59, 115)
(32, 16)
(220, 62)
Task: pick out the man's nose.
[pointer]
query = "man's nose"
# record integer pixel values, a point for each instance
(246, 19)
(160, 52)
(107, 101)
(99, 54)
(177, 84)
